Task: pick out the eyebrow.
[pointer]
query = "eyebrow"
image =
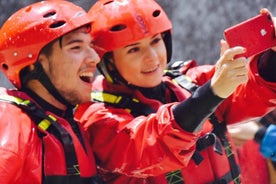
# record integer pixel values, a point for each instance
(74, 41)
(134, 44)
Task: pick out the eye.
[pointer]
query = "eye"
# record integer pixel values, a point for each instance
(76, 47)
(156, 40)
(133, 50)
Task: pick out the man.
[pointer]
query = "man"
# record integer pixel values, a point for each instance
(46, 52)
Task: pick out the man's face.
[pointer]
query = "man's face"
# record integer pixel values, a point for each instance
(71, 66)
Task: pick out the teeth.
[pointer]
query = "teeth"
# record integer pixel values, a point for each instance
(150, 70)
(87, 74)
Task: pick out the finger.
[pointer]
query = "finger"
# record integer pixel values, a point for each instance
(229, 54)
(239, 62)
(241, 74)
(233, 68)
(223, 46)
(241, 78)
(264, 10)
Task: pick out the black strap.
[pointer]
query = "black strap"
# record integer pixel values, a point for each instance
(227, 178)
(72, 179)
(208, 140)
(219, 130)
(65, 138)
(40, 75)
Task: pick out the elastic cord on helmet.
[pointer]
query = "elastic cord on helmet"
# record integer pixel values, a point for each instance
(109, 70)
(167, 37)
(39, 74)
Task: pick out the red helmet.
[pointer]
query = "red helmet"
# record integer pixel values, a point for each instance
(31, 28)
(117, 23)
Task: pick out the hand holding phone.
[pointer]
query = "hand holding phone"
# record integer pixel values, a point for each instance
(256, 34)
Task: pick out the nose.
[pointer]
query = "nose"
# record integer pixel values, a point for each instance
(93, 56)
(150, 54)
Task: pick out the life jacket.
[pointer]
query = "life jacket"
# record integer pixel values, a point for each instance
(48, 124)
(217, 138)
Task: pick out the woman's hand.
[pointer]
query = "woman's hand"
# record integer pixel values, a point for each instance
(230, 72)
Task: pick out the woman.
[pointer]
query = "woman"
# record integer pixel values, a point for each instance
(146, 122)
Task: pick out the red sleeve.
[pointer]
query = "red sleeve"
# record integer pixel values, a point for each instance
(141, 146)
(13, 141)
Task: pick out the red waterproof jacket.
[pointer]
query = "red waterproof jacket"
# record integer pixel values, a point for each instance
(254, 166)
(134, 149)
(29, 154)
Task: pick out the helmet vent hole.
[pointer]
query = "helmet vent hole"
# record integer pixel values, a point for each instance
(156, 13)
(49, 14)
(118, 27)
(57, 24)
(108, 2)
(5, 66)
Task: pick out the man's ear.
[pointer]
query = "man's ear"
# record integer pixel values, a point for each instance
(44, 61)
(31, 67)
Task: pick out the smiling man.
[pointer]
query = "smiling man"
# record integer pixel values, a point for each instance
(48, 55)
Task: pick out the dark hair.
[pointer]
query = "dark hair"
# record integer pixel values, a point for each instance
(27, 73)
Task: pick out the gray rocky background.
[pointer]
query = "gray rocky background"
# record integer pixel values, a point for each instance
(197, 25)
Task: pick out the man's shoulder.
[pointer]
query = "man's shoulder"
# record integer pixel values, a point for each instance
(9, 100)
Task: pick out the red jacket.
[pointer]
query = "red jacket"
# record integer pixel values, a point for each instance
(254, 166)
(134, 149)
(21, 148)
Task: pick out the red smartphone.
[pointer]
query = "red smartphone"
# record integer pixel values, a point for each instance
(256, 34)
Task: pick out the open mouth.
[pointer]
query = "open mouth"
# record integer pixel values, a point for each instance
(87, 77)
(150, 70)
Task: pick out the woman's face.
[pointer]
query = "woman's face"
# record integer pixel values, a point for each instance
(142, 63)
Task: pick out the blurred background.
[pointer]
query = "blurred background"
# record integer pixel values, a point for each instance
(197, 25)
